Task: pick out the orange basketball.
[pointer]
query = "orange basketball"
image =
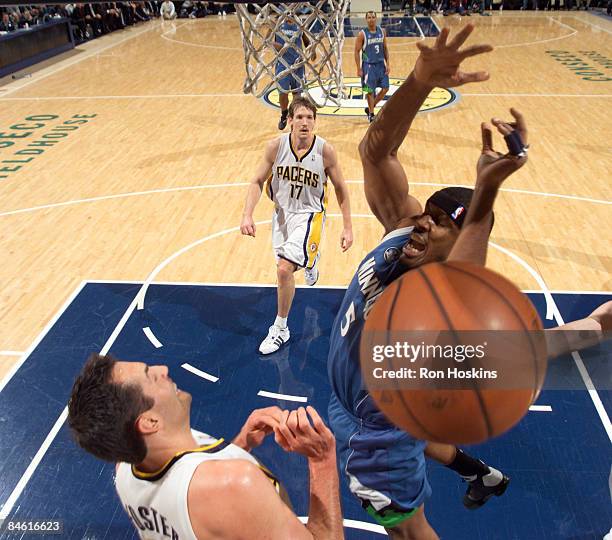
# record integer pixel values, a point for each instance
(452, 352)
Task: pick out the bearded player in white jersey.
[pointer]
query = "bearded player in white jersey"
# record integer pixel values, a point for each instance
(295, 169)
(180, 484)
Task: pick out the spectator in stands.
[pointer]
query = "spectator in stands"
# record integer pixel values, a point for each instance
(200, 9)
(111, 16)
(128, 12)
(154, 8)
(187, 10)
(167, 10)
(6, 25)
(485, 5)
(455, 6)
(77, 18)
(92, 18)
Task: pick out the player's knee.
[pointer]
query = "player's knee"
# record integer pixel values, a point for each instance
(284, 271)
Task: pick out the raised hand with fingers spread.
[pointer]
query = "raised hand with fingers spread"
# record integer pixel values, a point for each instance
(439, 65)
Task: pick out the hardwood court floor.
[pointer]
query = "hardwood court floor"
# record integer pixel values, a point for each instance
(164, 162)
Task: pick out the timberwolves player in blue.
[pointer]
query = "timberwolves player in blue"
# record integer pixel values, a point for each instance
(372, 59)
(384, 466)
(289, 40)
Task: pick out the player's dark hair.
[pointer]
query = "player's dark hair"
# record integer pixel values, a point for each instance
(371, 11)
(102, 414)
(301, 101)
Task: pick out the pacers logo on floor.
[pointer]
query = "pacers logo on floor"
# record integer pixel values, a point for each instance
(355, 100)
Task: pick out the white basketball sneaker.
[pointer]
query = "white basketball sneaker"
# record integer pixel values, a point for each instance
(311, 276)
(276, 337)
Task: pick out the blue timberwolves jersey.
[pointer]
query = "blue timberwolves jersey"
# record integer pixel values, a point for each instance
(291, 35)
(378, 270)
(373, 46)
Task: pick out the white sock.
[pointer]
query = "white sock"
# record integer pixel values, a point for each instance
(281, 322)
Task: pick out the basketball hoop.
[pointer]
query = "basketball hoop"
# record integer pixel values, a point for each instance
(320, 22)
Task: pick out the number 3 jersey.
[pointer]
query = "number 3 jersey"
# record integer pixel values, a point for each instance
(299, 185)
(377, 270)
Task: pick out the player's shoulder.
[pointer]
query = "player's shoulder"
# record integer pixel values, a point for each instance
(390, 244)
(224, 484)
(273, 145)
(329, 153)
(223, 475)
(400, 232)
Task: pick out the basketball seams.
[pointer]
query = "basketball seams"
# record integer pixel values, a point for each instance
(398, 392)
(517, 314)
(449, 323)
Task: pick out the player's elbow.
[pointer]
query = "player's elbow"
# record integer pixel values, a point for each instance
(371, 150)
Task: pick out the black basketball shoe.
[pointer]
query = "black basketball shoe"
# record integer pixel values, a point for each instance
(482, 488)
(282, 123)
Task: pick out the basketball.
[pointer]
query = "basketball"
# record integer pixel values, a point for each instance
(453, 352)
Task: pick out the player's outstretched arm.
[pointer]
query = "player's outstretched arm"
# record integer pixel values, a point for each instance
(313, 439)
(492, 169)
(385, 182)
(333, 170)
(264, 169)
(580, 334)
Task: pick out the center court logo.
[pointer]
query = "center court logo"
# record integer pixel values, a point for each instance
(355, 100)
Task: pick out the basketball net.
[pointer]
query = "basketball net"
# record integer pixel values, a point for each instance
(321, 23)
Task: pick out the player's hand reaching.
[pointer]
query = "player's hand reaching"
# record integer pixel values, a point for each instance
(494, 167)
(259, 424)
(603, 316)
(439, 65)
(309, 437)
(248, 226)
(346, 239)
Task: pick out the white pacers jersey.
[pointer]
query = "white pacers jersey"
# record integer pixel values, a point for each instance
(157, 502)
(299, 185)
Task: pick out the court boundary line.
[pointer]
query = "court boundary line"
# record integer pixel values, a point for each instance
(54, 318)
(231, 284)
(243, 184)
(586, 21)
(12, 353)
